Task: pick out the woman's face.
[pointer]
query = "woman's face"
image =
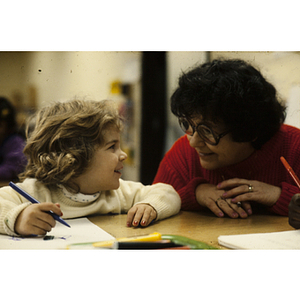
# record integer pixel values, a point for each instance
(226, 153)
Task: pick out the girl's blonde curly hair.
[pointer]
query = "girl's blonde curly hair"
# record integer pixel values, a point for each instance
(62, 138)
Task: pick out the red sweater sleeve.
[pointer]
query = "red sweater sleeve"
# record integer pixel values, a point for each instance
(281, 206)
(178, 169)
(291, 151)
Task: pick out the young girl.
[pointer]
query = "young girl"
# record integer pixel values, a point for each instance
(74, 169)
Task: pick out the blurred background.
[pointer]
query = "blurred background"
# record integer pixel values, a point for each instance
(140, 82)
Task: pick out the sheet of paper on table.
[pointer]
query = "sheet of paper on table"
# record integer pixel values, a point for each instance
(285, 240)
(81, 231)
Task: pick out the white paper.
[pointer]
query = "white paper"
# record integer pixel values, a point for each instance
(81, 231)
(285, 240)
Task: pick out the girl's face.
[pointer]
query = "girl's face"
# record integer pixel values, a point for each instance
(226, 153)
(105, 168)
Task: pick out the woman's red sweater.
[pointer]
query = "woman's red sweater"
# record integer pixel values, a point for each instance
(182, 169)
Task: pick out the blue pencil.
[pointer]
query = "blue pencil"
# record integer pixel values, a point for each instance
(32, 200)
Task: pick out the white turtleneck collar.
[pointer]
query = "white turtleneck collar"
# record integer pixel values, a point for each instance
(79, 197)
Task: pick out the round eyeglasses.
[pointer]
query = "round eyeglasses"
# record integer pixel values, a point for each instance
(208, 135)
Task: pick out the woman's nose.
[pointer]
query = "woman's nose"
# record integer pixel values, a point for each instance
(195, 140)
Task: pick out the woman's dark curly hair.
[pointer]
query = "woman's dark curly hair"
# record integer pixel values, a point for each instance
(234, 93)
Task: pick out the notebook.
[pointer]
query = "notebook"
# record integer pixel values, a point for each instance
(285, 240)
(82, 231)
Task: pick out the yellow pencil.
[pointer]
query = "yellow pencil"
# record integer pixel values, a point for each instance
(143, 238)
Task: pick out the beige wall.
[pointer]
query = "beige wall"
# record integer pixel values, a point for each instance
(60, 75)
(48, 76)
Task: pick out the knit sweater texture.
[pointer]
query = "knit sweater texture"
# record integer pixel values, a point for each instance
(162, 197)
(182, 169)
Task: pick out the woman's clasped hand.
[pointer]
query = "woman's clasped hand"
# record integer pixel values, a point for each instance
(233, 197)
(211, 196)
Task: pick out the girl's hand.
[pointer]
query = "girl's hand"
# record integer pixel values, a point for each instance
(142, 214)
(294, 211)
(208, 195)
(34, 219)
(243, 190)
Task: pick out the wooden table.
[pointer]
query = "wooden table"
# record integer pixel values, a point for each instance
(200, 226)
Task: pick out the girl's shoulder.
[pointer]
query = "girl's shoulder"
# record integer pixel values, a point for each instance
(128, 185)
(35, 188)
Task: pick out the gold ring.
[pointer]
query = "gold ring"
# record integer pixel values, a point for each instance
(250, 188)
(220, 198)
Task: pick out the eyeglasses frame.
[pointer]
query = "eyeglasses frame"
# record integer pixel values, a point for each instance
(217, 137)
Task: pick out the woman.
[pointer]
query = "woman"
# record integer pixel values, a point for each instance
(229, 159)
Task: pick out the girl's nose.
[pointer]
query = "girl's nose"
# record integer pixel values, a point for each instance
(123, 156)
